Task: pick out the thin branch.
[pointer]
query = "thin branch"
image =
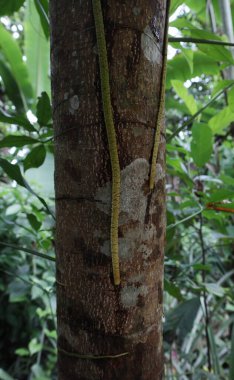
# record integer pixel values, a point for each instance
(199, 41)
(207, 319)
(192, 118)
(27, 250)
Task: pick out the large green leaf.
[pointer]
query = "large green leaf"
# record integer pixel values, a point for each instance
(13, 55)
(35, 158)
(36, 51)
(11, 87)
(42, 7)
(4, 375)
(182, 92)
(178, 68)
(8, 7)
(174, 5)
(221, 120)
(180, 319)
(20, 120)
(17, 141)
(44, 112)
(13, 171)
(201, 144)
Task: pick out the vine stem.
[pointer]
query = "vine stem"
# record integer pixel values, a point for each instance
(111, 135)
(207, 318)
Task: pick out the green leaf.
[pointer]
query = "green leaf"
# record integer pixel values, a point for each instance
(231, 359)
(231, 99)
(221, 120)
(182, 92)
(216, 52)
(202, 267)
(215, 289)
(20, 120)
(221, 194)
(35, 158)
(221, 85)
(174, 5)
(8, 7)
(17, 291)
(181, 318)
(173, 290)
(202, 64)
(42, 7)
(13, 55)
(4, 375)
(34, 222)
(201, 144)
(17, 141)
(13, 171)
(37, 51)
(214, 353)
(189, 57)
(43, 109)
(34, 346)
(22, 352)
(11, 87)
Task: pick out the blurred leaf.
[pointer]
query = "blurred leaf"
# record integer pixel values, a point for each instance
(42, 7)
(20, 120)
(22, 352)
(215, 359)
(215, 289)
(174, 5)
(35, 158)
(11, 86)
(173, 290)
(220, 195)
(37, 51)
(201, 144)
(221, 85)
(221, 120)
(231, 99)
(34, 346)
(231, 359)
(34, 222)
(17, 141)
(182, 92)
(44, 112)
(180, 319)
(17, 291)
(8, 7)
(4, 375)
(13, 55)
(13, 171)
(202, 267)
(189, 57)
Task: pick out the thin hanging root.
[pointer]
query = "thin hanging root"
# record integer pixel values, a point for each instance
(110, 129)
(160, 115)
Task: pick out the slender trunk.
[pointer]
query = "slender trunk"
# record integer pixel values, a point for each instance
(226, 12)
(94, 316)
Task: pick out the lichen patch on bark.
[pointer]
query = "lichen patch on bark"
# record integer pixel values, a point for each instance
(149, 47)
(132, 201)
(129, 295)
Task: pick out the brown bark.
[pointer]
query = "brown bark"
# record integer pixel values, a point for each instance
(94, 316)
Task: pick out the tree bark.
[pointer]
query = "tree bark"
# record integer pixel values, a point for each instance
(94, 316)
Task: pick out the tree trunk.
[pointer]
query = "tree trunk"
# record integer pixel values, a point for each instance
(95, 317)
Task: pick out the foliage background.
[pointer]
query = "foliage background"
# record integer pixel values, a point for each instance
(199, 274)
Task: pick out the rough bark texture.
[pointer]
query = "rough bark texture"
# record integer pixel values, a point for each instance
(94, 316)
